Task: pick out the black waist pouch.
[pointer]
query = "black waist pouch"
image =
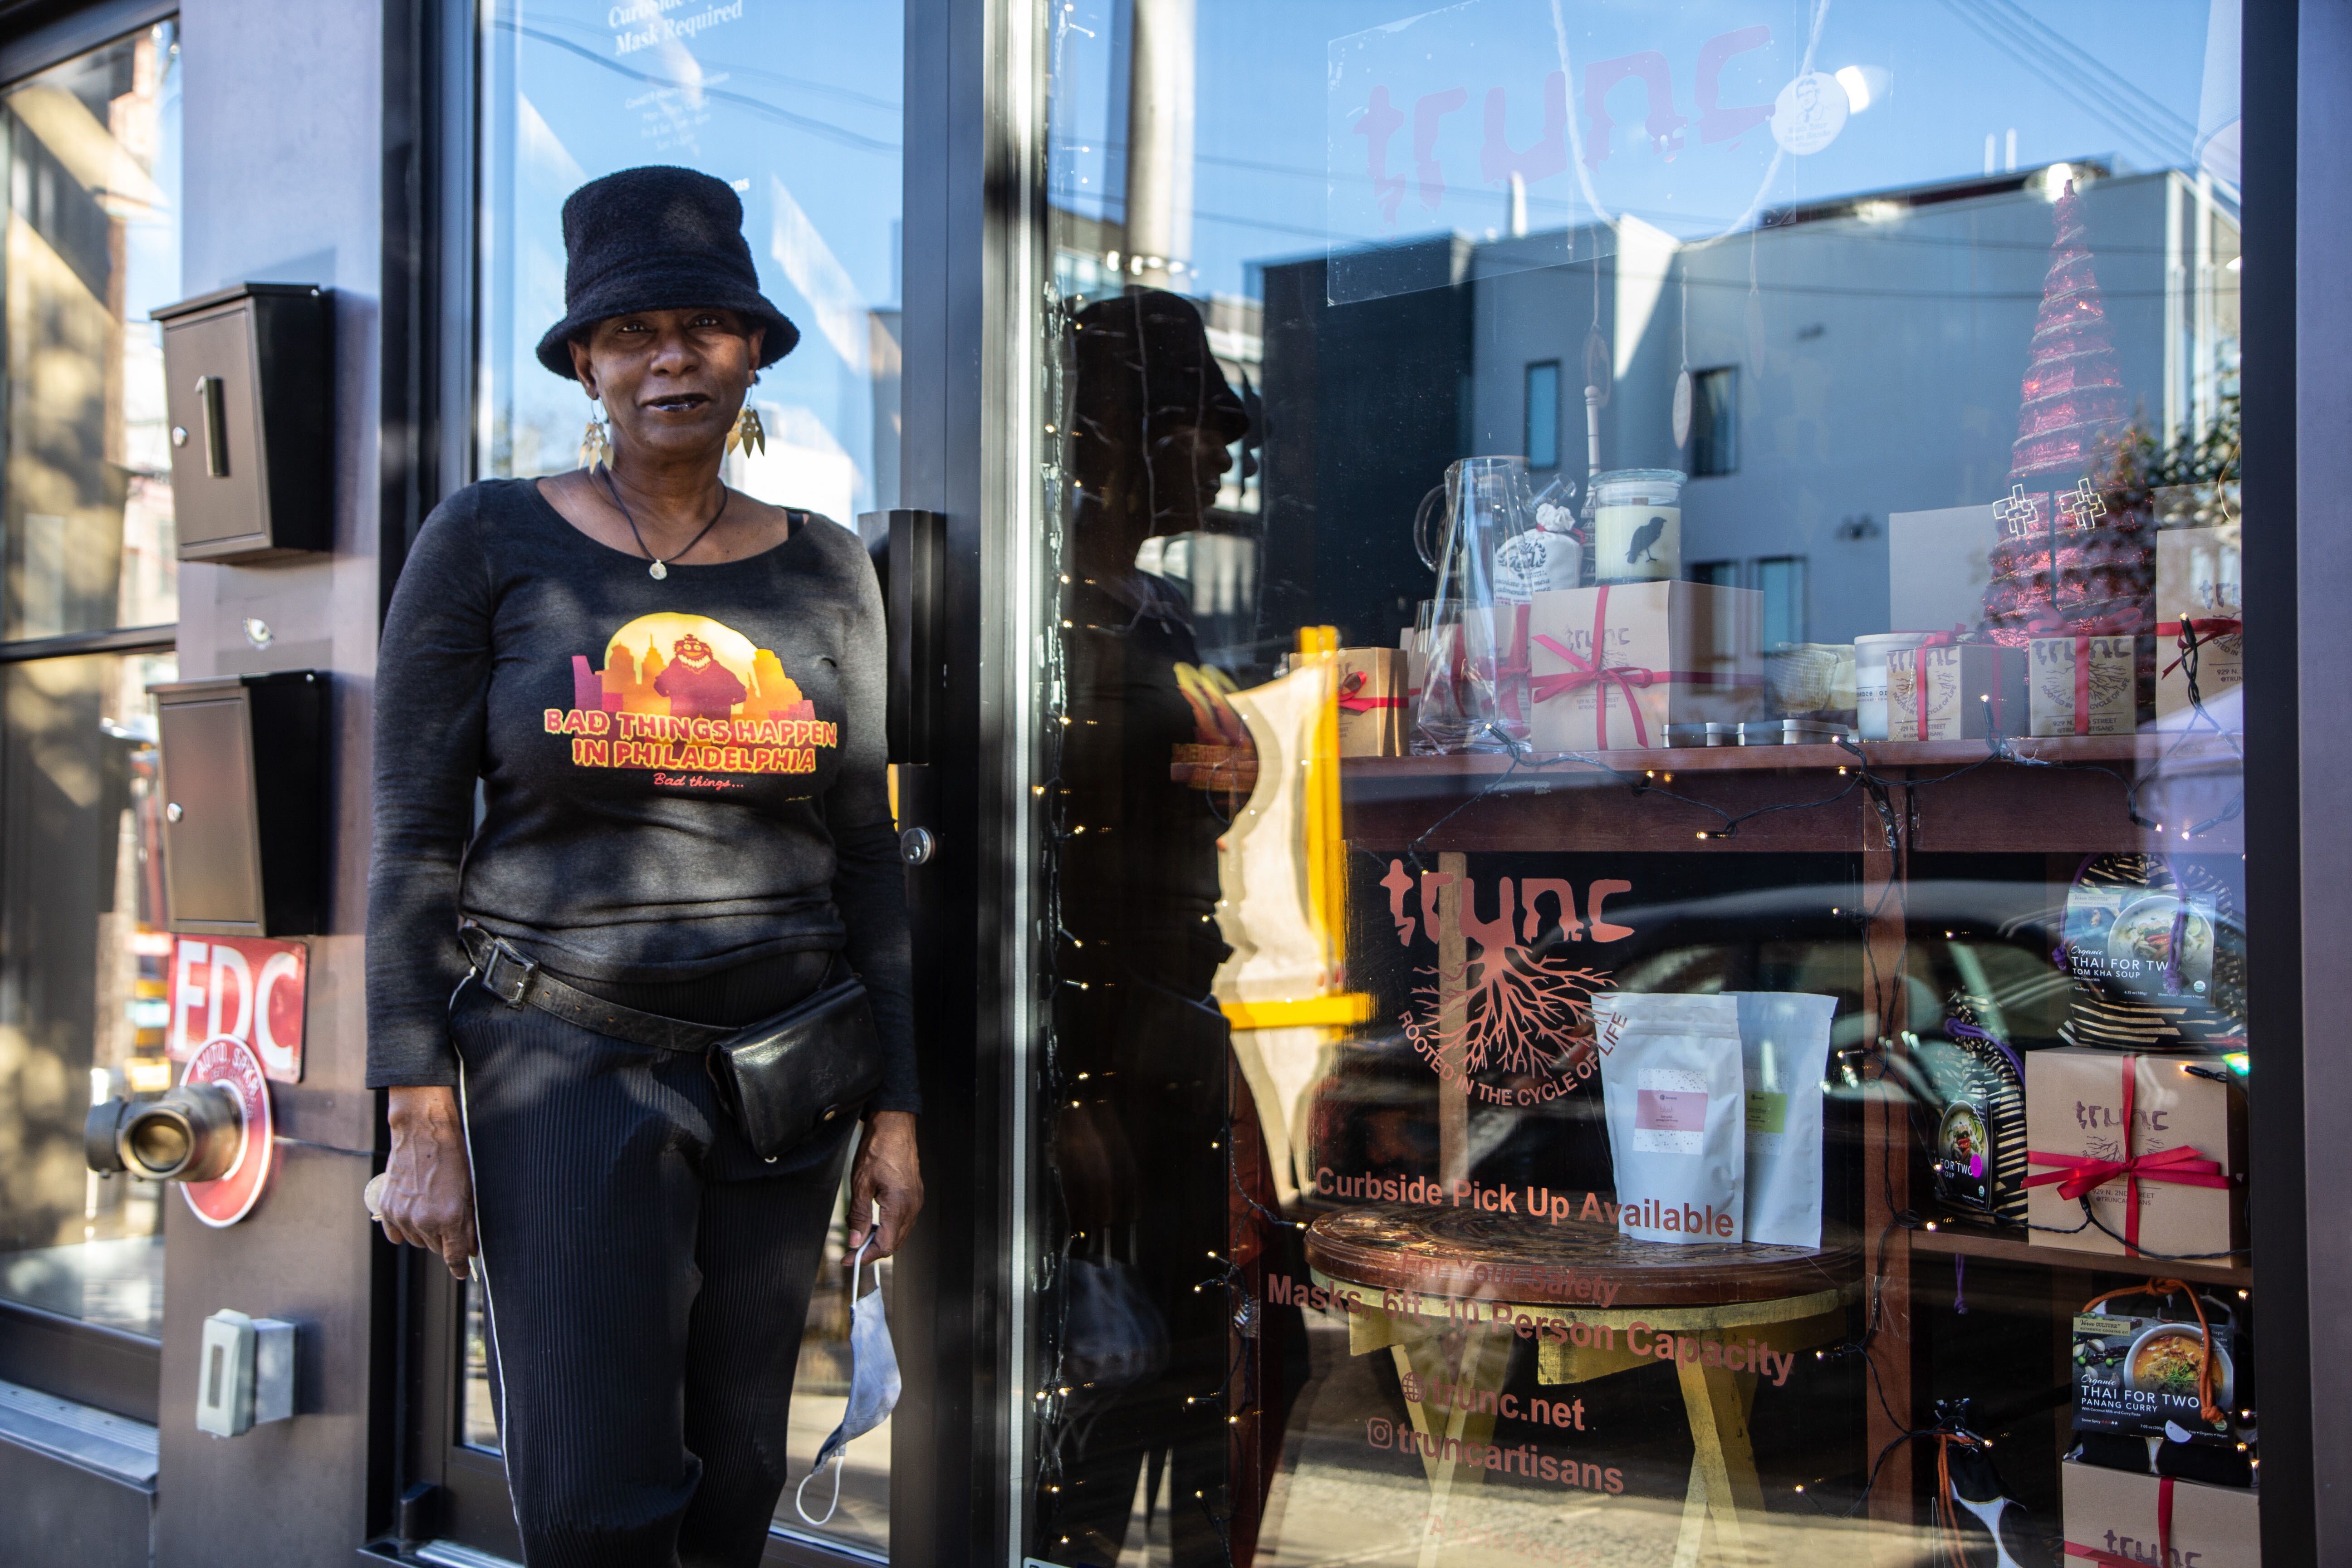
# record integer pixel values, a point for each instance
(783, 1080)
(793, 1075)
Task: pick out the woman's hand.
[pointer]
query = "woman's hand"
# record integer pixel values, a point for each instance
(888, 1174)
(428, 1190)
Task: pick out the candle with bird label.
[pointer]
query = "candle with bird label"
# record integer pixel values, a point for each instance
(1637, 523)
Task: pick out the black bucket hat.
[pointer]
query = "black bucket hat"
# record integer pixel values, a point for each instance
(657, 239)
(1143, 361)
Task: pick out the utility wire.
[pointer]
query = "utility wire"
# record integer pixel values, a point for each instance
(759, 105)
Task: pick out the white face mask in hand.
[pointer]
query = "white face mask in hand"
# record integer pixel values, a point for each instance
(873, 1385)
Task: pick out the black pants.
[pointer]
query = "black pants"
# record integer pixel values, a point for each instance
(647, 1277)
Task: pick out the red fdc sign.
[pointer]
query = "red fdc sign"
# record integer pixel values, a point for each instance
(249, 988)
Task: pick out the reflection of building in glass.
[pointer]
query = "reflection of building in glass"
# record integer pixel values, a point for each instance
(1814, 415)
(1840, 417)
(91, 245)
(83, 1004)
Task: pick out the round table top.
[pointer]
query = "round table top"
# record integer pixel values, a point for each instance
(1472, 1254)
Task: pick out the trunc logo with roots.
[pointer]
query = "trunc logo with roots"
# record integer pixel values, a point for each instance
(1512, 1006)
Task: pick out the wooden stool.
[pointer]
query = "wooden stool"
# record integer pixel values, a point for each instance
(1422, 1272)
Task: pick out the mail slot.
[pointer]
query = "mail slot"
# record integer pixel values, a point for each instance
(249, 395)
(244, 803)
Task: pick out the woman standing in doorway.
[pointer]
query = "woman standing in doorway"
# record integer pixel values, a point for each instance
(672, 698)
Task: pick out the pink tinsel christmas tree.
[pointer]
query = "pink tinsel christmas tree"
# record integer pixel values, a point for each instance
(2070, 559)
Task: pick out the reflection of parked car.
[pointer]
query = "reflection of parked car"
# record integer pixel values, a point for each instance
(1375, 1109)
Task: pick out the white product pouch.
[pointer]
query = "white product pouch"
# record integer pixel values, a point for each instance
(1672, 1090)
(1784, 1047)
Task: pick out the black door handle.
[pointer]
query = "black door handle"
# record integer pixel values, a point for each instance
(909, 550)
(214, 419)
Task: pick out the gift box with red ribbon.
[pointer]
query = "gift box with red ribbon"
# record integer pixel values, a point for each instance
(2086, 685)
(1371, 701)
(2157, 1146)
(1950, 690)
(2120, 1519)
(1610, 667)
(2209, 653)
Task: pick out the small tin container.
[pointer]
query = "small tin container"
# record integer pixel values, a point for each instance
(1790, 732)
(1707, 734)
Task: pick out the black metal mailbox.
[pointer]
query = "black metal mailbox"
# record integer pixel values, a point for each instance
(244, 803)
(249, 391)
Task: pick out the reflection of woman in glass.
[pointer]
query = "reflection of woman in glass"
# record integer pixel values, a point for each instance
(1141, 1048)
(543, 983)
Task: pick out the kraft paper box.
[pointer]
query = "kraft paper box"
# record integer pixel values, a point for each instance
(1971, 689)
(2221, 672)
(2073, 1107)
(2116, 675)
(1671, 653)
(1371, 701)
(2115, 1513)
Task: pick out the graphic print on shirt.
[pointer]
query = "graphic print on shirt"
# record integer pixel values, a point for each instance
(690, 698)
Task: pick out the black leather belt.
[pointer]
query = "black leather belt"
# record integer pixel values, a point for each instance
(518, 982)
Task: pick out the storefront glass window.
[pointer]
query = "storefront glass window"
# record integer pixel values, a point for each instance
(797, 106)
(92, 245)
(1645, 964)
(83, 992)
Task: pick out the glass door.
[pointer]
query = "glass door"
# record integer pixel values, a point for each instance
(797, 106)
(1642, 900)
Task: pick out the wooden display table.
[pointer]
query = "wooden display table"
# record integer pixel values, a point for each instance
(1422, 1273)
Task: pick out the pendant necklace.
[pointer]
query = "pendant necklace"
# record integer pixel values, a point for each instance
(660, 568)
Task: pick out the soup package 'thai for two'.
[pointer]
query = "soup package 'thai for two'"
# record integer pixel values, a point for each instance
(1672, 1090)
(2145, 1364)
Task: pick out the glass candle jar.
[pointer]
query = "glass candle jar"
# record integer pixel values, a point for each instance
(1871, 652)
(1637, 525)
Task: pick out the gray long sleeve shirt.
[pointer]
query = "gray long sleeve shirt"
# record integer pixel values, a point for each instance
(679, 776)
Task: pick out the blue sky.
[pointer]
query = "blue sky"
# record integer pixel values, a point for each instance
(796, 102)
(1279, 86)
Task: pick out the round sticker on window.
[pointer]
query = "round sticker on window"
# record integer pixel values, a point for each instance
(1809, 114)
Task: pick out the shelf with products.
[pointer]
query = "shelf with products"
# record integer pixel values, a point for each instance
(2037, 796)
(1961, 1239)
(2203, 752)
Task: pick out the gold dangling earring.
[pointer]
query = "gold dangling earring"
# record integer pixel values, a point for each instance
(595, 446)
(749, 432)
